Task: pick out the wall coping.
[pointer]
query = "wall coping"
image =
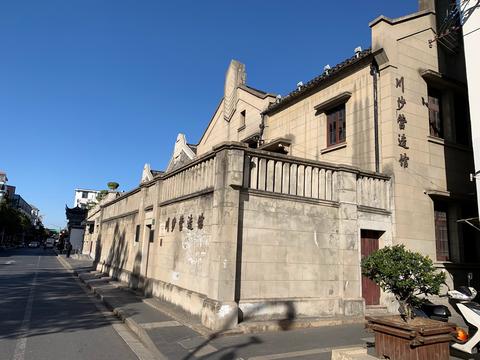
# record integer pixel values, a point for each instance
(400, 19)
(233, 145)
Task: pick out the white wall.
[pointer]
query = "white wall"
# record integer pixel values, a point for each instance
(91, 197)
(76, 239)
(471, 33)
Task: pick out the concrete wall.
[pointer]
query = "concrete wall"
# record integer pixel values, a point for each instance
(220, 130)
(308, 129)
(290, 251)
(224, 249)
(301, 244)
(228, 123)
(180, 255)
(438, 169)
(436, 166)
(76, 239)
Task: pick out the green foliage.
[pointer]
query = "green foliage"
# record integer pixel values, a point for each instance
(112, 185)
(101, 195)
(405, 274)
(91, 204)
(15, 225)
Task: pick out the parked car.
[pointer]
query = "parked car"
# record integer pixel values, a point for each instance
(49, 243)
(33, 244)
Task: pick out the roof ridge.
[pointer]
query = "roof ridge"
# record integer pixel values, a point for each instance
(318, 79)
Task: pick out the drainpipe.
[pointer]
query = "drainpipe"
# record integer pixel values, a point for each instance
(262, 128)
(374, 73)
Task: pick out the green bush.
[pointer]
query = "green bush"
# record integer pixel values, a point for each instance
(101, 195)
(405, 274)
(112, 185)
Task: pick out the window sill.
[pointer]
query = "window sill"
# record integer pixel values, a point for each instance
(446, 143)
(333, 148)
(241, 128)
(443, 263)
(435, 140)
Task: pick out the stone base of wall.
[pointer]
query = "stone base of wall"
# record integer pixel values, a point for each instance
(275, 309)
(215, 315)
(218, 315)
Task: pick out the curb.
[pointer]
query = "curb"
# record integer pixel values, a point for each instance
(137, 329)
(243, 328)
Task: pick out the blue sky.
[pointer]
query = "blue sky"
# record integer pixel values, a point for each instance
(90, 90)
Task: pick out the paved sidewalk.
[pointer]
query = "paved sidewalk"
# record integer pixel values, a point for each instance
(178, 335)
(173, 334)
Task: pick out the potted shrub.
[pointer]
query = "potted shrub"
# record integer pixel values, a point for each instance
(112, 185)
(408, 276)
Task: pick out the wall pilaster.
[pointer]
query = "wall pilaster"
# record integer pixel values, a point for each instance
(221, 310)
(348, 243)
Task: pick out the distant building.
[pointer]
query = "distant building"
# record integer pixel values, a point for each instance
(18, 202)
(85, 197)
(76, 225)
(3, 184)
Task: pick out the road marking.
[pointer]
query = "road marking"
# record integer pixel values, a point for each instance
(139, 349)
(21, 345)
(299, 353)
(160, 324)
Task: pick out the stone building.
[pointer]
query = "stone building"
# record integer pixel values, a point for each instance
(268, 216)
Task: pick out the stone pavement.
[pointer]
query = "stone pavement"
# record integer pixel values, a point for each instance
(173, 334)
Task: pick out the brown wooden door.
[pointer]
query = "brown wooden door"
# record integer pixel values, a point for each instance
(369, 243)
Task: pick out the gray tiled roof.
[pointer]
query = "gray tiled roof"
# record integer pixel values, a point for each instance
(157, 172)
(334, 71)
(259, 93)
(193, 147)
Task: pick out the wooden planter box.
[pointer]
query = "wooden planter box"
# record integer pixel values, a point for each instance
(419, 339)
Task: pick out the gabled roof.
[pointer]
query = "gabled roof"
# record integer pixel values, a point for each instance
(258, 93)
(317, 81)
(192, 147)
(157, 172)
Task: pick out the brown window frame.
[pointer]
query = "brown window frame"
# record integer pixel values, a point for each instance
(335, 117)
(442, 241)
(435, 115)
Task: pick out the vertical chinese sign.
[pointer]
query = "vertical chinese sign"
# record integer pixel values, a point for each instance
(402, 122)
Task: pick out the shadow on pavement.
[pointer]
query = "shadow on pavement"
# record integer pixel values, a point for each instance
(59, 303)
(231, 351)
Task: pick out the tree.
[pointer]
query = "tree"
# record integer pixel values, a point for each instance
(405, 274)
(112, 185)
(101, 195)
(15, 225)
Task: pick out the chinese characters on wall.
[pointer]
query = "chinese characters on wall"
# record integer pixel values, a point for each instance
(402, 122)
(170, 223)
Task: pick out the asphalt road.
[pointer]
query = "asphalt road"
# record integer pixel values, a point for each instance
(45, 314)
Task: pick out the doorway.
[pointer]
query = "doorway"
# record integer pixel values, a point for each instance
(368, 244)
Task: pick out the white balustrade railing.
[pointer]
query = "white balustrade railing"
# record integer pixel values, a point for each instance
(288, 177)
(197, 177)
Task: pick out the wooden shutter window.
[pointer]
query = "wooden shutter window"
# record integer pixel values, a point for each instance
(434, 114)
(336, 126)
(441, 235)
